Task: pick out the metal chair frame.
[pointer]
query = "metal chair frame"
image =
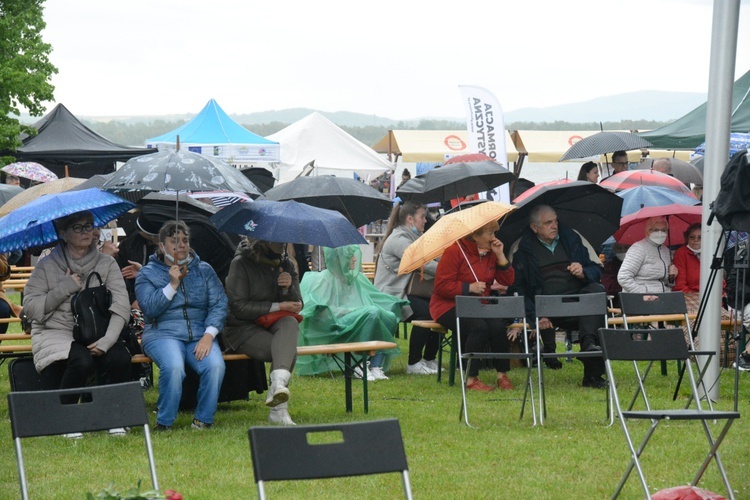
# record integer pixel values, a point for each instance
(657, 345)
(633, 304)
(511, 308)
(359, 448)
(43, 413)
(566, 306)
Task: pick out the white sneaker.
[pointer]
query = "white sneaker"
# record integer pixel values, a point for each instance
(279, 415)
(118, 431)
(433, 366)
(73, 435)
(419, 368)
(370, 375)
(377, 372)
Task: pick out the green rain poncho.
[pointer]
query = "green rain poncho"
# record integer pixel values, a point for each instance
(341, 305)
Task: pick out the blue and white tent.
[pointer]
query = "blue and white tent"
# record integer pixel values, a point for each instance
(213, 133)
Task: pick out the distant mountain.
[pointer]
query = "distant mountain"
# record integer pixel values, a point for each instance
(642, 105)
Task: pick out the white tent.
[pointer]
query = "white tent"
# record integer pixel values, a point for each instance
(334, 152)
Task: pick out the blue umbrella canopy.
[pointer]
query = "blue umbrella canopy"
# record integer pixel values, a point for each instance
(32, 225)
(737, 142)
(634, 199)
(288, 222)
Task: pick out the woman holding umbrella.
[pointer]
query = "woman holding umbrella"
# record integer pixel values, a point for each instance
(469, 267)
(62, 362)
(262, 284)
(406, 224)
(184, 307)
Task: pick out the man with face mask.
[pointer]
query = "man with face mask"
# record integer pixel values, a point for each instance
(648, 264)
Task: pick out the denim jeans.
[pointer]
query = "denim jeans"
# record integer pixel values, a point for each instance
(170, 355)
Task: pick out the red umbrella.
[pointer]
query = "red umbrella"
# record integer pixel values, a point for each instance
(537, 187)
(635, 178)
(679, 218)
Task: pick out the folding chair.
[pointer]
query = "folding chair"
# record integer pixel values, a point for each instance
(565, 306)
(337, 450)
(511, 308)
(43, 413)
(658, 345)
(669, 306)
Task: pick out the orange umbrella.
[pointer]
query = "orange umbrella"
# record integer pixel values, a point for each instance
(34, 192)
(448, 229)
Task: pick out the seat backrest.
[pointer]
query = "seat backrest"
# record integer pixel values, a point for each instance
(327, 451)
(661, 344)
(490, 307)
(574, 305)
(634, 304)
(44, 413)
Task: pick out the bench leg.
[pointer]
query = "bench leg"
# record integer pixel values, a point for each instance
(349, 371)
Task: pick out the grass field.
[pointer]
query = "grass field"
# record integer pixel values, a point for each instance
(575, 455)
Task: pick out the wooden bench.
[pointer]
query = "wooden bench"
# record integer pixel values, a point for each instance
(19, 275)
(368, 269)
(356, 355)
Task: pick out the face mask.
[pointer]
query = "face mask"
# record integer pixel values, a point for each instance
(696, 252)
(415, 230)
(180, 262)
(621, 255)
(658, 237)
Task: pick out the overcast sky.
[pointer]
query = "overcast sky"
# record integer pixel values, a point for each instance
(399, 59)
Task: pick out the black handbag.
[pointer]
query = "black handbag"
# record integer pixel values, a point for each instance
(90, 309)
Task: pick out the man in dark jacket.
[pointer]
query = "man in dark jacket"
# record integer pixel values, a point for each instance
(552, 260)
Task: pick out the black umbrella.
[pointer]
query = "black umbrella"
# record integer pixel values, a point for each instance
(178, 171)
(604, 143)
(8, 191)
(460, 176)
(588, 208)
(261, 177)
(358, 202)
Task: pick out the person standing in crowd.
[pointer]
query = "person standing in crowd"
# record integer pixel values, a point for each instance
(262, 281)
(648, 264)
(62, 362)
(552, 260)
(405, 225)
(405, 176)
(184, 307)
(589, 172)
(620, 162)
(662, 165)
(469, 267)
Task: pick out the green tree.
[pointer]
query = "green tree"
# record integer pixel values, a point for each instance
(25, 69)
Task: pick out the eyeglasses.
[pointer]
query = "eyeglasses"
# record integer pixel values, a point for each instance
(79, 228)
(621, 163)
(694, 238)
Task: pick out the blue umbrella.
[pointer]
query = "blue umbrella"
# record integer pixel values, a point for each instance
(32, 225)
(633, 199)
(288, 222)
(737, 142)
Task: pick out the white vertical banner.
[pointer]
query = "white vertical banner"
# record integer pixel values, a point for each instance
(486, 127)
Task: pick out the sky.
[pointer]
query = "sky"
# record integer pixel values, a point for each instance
(397, 59)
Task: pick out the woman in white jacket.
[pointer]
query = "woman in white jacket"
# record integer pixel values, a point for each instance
(406, 224)
(648, 264)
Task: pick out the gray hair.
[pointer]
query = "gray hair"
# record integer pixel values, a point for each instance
(535, 216)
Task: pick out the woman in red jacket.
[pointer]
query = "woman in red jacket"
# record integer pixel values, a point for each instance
(469, 267)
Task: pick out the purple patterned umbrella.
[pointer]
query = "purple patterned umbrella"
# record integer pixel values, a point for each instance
(30, 170)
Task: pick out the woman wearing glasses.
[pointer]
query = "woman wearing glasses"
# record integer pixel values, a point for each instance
(62, 362)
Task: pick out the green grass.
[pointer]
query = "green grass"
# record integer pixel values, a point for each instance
(575, 455)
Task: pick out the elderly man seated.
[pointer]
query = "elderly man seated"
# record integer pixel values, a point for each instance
(552, 260)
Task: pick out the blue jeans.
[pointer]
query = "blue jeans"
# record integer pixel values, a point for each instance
(170, 356)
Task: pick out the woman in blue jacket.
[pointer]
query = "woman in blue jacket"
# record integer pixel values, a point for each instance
(184, 306)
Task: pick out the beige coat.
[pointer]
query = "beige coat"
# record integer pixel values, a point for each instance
(47, 296)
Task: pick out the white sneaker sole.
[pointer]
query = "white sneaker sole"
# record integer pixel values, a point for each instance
(281, 396)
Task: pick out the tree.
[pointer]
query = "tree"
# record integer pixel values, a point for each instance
(25, 69)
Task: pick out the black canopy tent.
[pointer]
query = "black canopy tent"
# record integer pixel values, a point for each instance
(63, 140)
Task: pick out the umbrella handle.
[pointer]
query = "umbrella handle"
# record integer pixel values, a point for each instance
(183, 269)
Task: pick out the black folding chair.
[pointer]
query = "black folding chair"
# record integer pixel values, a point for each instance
(339, 450)
(658, 345)
(565, 306)
(661, 305)
(43, 413)
(511, 308)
